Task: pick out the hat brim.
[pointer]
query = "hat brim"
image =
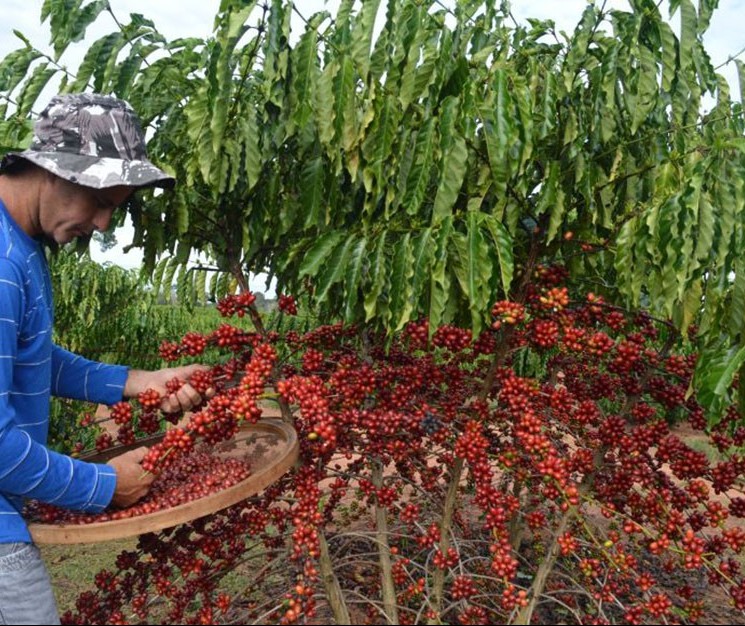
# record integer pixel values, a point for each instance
(95, 172)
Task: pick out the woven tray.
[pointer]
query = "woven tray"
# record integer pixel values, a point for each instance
(270, 446)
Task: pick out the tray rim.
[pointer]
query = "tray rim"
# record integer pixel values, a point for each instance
(96, 532)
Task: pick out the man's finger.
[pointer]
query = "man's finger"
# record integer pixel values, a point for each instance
(182, 400)
(188, 397)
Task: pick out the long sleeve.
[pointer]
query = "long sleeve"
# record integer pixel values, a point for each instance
(27, 467)
(80, 379)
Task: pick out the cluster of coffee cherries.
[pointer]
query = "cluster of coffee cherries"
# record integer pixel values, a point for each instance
(287, 305)
(236, 304)
(220, 419)
(194, 344)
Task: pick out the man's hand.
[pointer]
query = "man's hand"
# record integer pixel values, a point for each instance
(132, 483)
(183, 400)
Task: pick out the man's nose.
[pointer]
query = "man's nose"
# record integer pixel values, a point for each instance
(102, 219)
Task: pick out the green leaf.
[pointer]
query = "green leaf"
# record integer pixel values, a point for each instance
(741, 78)
(213, 288)
(185, 288)
(549, 189)
(69, 23)
(454, 161)
(691, 306)
(410, 47)
(107, 74)
(313, 193)
(324, 102)
(378, 145)
(251, 150)
(705, 230)
(499, 132)
(171, 267)
(200, 286)
(422, 264)
(319, 253)
(459, 257)
(374, 304)
(334, 267)
(478, 270)
(182, 217)
(276, 52)
(362, 35)
(624, 261)
(223, 285)
(33, 87)
(524, 95)
(502, 120)
(713, 377)
(46, 9)
(503, 245)
(688, 32)
(728, 201)
(669, 56)
(344, 104)
(402, 271)
(419, 175)
(306, 73)
(22, 37)
(705, 11)
(183, 251)
(440, 282)
(353, 280)
(129, 69)
(646, 88)
(198, 114)
(14, 67)
(737, 308)
(547, 110)
(222, 103)
(92, 61)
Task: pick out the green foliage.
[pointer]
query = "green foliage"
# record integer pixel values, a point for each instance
(416, 173)
(101, 310)
(104, 312)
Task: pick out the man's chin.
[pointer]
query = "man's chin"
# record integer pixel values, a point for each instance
(56, 242)
(74, 235)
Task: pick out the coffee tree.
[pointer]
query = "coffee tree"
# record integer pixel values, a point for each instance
(511, 235)
(406, 174)
(529, 475)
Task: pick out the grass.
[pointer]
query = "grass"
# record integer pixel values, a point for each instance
(73, 568)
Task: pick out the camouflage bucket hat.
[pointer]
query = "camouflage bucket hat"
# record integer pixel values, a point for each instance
(92, 140)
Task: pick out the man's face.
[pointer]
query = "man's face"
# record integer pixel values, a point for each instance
(68, 210)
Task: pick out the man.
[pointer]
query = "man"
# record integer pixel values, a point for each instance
(87, 158)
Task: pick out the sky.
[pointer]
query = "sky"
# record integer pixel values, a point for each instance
(179, 18)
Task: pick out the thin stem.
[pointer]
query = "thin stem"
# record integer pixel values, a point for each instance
(331, 583)
(539, 582)
(384, 551)
(447, 518)
(731, 58)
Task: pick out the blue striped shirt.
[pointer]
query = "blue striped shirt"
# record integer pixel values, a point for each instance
(31, 369)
